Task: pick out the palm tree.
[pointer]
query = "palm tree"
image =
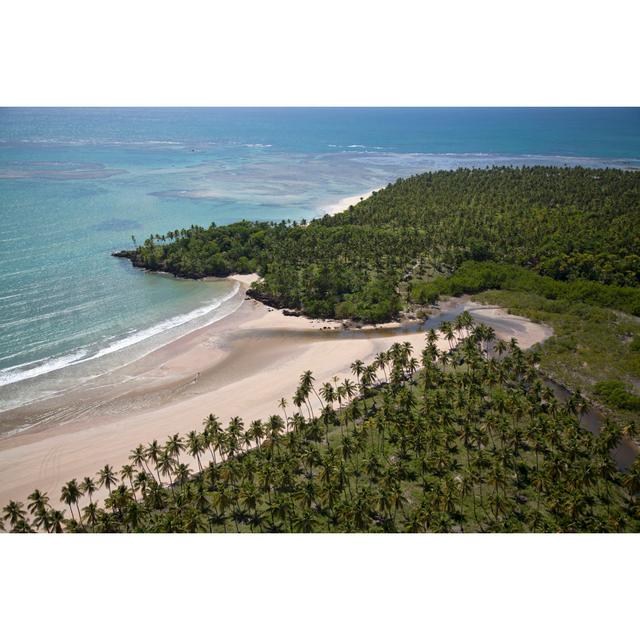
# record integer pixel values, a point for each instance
(153, 453)
(127, 472)
(212, 433)
(57, 519)
(138, 457)
(306, 382)
(14, 513)
(381, 361)
(258, 431)
(300, 398)
(446, 329)
(174, 446)
(91, 514)
(275, 428)
(195, 446)
(183, 473)
(631, 480)
(107, 477)
(119, 500)
(283, 405)
(235, 431)
(23, 526)
(38, 507)
(70, 495)
(88, 487)
(357, 368)
(305, 521)
(349, 389)
(165, 465)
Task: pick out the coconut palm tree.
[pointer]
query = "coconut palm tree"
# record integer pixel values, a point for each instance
(195, 446)
(275, 428)
(91, 515)
(283, 405)
(57, 520)
(152, 452)
(88, 487)
(138, 458)
(107, 478)
(126, 473)
(166, 464)
(211, 434)
(306, 384)
(70, 495)
(38, 507)
(174, 447)
(357, 368)
(14, 513)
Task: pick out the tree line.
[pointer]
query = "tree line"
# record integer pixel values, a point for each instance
(573, 225)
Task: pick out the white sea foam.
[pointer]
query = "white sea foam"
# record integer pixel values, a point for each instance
(21, 372)
(171, 323)
(99, 141)
(18, 373)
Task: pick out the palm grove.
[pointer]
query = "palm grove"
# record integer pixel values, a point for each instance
(467, 437)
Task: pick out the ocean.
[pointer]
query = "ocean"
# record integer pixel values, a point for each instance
(77, 184)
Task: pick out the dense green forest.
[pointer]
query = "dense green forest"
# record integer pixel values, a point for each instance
(569, 224)
(466, 437)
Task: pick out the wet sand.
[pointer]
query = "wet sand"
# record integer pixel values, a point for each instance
(239, 366)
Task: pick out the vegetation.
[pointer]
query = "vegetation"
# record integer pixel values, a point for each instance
(465, 438)
(473, 277)
(572, 225)
(589, 345)
(615, 393)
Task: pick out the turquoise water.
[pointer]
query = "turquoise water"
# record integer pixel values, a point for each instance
(76, 184)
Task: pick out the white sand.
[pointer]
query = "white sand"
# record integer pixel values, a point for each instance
(240, 366)
(529, 334)
(345, 203)
(248, 278)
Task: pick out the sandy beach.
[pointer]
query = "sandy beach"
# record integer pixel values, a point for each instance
(239, 366)
(345, 203)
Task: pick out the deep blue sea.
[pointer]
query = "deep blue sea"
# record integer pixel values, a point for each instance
(76, 184)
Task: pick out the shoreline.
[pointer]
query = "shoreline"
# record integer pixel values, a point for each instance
(245, 281)
(239, 366)
(140, 347)
(344, 203)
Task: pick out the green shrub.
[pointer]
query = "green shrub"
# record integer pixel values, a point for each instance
(615, 394)
(473, 277)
